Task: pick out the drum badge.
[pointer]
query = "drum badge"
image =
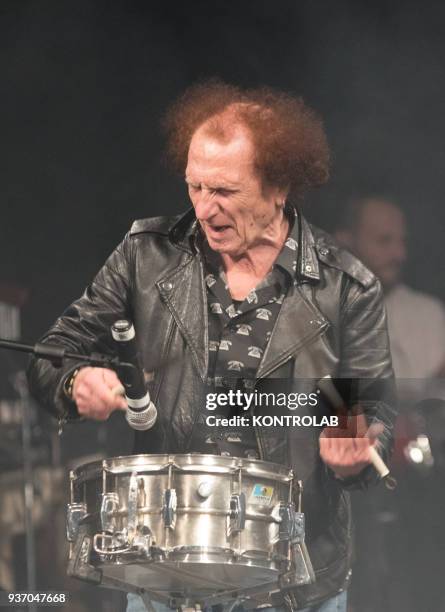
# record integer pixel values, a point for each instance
(261, 495)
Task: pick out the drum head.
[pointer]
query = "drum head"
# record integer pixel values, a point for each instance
(184, 580)
(189, 463)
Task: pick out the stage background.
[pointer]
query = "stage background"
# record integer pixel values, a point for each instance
(84, 85)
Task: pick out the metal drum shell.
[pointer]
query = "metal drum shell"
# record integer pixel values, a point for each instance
(200, 536)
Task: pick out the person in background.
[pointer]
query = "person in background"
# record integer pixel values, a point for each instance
(374, 229)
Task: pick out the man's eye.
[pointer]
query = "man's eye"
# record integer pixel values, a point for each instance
(194, 187)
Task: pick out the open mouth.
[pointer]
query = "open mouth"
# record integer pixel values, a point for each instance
(219, 228)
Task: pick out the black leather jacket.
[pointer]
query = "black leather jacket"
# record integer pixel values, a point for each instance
(332, 322)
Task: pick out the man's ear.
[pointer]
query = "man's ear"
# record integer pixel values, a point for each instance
(345, 238)
(281, 195)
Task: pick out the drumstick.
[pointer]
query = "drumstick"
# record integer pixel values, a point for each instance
(328, 388)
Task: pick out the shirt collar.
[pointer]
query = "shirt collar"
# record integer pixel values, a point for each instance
(287, 257)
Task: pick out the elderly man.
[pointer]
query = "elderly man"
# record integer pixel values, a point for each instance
(237, 291)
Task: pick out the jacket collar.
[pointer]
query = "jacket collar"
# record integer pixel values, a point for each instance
(183, 234)
(307, 257)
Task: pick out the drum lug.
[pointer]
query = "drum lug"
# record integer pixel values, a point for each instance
(237, 515)
(75, 512)
(169, 508)
(291, 524)
(110, 504)
(132, 506)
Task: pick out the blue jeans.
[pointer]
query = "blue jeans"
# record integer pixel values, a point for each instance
(334, 604)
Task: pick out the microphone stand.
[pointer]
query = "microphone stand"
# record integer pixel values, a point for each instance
(28, 484)
(57, 355)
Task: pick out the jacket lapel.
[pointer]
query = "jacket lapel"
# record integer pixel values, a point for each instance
(298, 323)
(184, 293)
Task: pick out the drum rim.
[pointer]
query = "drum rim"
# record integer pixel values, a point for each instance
(186, 462)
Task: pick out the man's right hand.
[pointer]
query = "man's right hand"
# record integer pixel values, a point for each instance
(97, 393)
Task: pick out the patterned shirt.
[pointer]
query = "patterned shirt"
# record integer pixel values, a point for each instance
(239, 332)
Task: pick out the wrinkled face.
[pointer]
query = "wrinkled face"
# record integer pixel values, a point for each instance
(380, 241)
(230, 203)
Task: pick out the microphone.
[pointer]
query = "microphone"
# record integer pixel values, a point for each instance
(141, 413)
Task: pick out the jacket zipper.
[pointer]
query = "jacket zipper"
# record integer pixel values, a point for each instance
(257, 435)
(157, 389)
(265, 374)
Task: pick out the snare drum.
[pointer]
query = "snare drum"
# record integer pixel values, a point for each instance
(186, 528)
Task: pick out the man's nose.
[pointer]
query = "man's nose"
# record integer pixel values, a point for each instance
(205, 205)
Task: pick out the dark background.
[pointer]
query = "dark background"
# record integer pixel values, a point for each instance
(84, 85)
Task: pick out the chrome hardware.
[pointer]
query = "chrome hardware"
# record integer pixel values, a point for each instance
(75, 512)
(132, 506)
(118, 543)
(110, 544)
(291, 526)
(110, 504)
(143, 540)
(292, 530)
(204, 489)
(300, 494)
(298, 528)
(169, 508)
(79, 563)
(237, 515)
(301, 570)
